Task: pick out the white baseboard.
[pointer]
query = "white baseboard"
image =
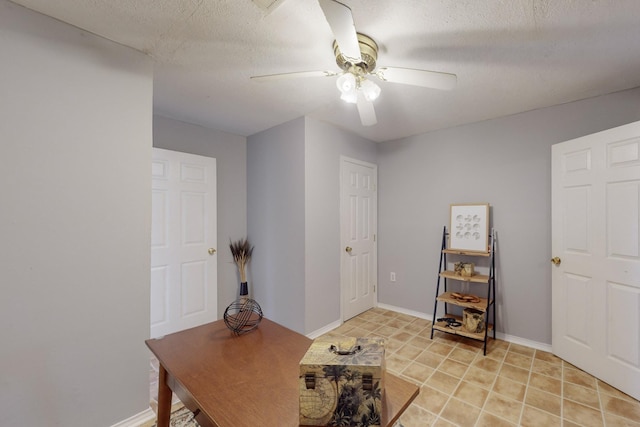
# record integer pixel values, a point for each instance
(137, 419)
(506, 337)
(331, 326)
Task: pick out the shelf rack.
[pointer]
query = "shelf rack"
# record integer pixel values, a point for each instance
(485, 305)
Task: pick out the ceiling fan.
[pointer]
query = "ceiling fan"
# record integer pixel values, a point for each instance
(356, 54)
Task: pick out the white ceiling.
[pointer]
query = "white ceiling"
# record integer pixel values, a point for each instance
(509, 55)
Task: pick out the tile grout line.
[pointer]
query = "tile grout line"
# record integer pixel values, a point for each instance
(493, 385)
(526, 390)
(562, 393)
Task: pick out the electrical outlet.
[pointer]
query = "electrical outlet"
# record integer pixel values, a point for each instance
(393, 277)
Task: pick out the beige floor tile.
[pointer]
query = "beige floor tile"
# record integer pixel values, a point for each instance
(471, 345)
(441, 422)
(533, 417)
(513, 373)
(396, 364)
(418, 372)
(356, 321)
(504, 407)
(576, 376)
(521, 349)
(420, 341)
(471, 394)
(408, 351)
(586, 396)
(460, 413)
(463, 356)
(431, 399)
(620, 407)
(453, 368)
(487, 364)
(443, 382)
(415, 328)
(356, 332)
(397, 323)
(429, 359)
(440, 348)
(480, 377)
(489, 420)
(545, 401)
(611, 391)
(615, 421)
(509, 388)
(368, 326)
(415, 416)
(581, 415)
(403, 336)
(545, 383)
(498, 343)
(405, 317)
(545, 368)
(547, 357)
(385, 331)
(518, 360)
(392, 344)
(496, 354)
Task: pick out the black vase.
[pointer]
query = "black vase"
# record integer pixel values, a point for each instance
(244, 289)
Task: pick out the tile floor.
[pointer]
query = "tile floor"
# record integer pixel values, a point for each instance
(512, 385)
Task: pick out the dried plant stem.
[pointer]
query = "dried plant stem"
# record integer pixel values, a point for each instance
(241, 251)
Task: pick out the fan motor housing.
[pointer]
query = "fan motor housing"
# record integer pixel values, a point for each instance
(368, 52)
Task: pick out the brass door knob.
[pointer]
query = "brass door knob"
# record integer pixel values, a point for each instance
(348, 249)
(212, 251)
(556, 260)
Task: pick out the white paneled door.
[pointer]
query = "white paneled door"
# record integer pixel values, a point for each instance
(358, 226)
(183, 242)
(596, 250)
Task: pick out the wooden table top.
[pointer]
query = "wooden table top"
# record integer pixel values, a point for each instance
(251, 379)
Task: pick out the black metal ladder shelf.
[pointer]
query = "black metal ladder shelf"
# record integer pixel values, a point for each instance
(452, 323)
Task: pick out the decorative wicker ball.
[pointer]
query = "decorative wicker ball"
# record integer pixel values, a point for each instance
(243, 315)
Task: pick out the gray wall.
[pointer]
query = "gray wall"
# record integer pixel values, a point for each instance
(294, 219)
(275, 221)
(324, 146)
(230, 152)
(506, 162)
(74, 224)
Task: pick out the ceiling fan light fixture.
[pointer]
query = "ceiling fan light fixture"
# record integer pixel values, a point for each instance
(346, 82)
(369, 89)
(350, 97)
(348, 86)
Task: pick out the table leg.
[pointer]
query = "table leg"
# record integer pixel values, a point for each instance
(164, 399)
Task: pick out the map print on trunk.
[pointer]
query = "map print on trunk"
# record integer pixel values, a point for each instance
(341, 384)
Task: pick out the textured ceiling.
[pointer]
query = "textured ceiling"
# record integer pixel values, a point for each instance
(509, 56)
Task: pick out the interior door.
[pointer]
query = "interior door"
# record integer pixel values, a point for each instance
(596, 249)
(183, 237)
(358, 224)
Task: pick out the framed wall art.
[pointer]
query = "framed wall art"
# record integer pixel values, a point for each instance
(469, 227)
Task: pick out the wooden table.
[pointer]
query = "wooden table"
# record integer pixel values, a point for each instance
(245, 381)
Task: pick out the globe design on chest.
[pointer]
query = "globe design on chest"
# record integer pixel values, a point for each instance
(318, 403)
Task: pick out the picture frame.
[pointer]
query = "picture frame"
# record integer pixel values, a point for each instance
(469, 227)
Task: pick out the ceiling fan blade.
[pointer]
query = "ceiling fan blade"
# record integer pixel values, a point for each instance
(424, 78)
(366, 111)
(294, 75)
(340, 20)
